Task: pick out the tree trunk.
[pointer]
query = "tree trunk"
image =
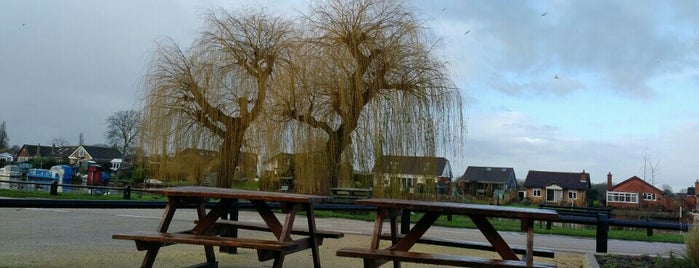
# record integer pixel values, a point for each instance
(230, 154)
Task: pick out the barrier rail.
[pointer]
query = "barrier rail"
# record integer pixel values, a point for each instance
(601, 219)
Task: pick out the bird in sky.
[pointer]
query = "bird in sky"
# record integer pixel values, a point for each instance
(544, 14)
(467, 32)
(555, 76)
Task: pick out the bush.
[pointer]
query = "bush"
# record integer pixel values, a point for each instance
(692, 243)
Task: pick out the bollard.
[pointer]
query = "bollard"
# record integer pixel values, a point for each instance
(649, 230)
(54, 188)
(232, 231)
(602, 232)
(127, 192)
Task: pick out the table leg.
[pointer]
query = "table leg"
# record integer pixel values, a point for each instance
(165, 221)
(529, 226)
(208, 250)
(310, 216)
(494, 237)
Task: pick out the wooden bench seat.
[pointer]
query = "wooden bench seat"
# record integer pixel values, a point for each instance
(475, 245)
(148, 239)
(263, 227)
(371, 256)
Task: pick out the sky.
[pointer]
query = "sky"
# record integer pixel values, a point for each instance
(601, 86)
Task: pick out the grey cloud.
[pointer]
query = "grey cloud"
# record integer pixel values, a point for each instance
(622, 43)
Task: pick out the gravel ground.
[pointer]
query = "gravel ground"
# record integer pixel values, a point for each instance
(82, 238)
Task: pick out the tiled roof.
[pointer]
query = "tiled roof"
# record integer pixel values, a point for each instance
(423, 165)
(636, 180)
(567, 180)
(488, 174)
(104, 153)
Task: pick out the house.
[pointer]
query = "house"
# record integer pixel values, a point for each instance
(563, 188)
(487, 181)
(7, 157)
(97, 154)
(29, 152)
(413, 173)
(691, 201)
(281, 165)
(634, 192)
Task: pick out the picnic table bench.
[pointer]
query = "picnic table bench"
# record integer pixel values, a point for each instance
(399, 251)
(212, 229)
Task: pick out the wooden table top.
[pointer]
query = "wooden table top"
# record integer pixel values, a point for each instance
(462, 209)
(214, 192)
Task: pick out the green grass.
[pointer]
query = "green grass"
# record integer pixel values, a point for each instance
(77, 196)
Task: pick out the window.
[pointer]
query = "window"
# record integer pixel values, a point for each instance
(649, 196)
(572, 195)
(622, 197)
(536, 192)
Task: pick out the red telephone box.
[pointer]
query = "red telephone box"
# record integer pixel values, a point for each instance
(94, 175)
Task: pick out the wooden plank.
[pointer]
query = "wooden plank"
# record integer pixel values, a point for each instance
(264, 228)
(214, 192)
(171, 238)
(474, 245)
(461, 208)
(428, 258)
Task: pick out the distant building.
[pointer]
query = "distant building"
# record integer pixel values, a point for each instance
(691, 201)
(634, 193)
(486, 181)
(96, 154)
(29, 152)
(560, 188)
(413, 173)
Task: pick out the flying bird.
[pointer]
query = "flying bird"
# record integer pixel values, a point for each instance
(544, 14)
(555, 76)
(467, 32)
(444, 9)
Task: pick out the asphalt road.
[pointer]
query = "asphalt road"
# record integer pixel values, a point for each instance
(31, 237)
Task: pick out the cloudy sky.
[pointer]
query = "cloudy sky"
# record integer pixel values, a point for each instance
(548, 85)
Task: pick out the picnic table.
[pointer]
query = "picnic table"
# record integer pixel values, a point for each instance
(402, 242)
(212, 228)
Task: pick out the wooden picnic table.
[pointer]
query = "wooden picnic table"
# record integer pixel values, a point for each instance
(391, 209)
(210, 227)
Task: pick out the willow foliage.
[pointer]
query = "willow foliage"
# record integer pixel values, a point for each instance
(337, 88)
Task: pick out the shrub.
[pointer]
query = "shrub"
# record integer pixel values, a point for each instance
(692, 243)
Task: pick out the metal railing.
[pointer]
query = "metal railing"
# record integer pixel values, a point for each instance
(600, 218)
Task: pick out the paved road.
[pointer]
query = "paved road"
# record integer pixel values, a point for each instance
(37, 237)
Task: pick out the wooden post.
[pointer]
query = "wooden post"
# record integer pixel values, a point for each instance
(405, 222)
(602, 232)
(231, 231)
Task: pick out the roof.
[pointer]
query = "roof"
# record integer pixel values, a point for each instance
(104, 153)
(633, 180)
(47, 151)
(424, 165)
(488, 174)
(567, 180)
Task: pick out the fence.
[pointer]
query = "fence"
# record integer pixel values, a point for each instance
(601, 218)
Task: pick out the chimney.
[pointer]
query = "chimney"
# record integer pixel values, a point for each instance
(609, 181)
(583, 177)
(696, 188)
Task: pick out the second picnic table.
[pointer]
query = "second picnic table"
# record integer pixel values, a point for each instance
(391, 209)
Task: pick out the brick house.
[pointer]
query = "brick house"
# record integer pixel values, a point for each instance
(691, 201)
(634, 192)
(560, 188)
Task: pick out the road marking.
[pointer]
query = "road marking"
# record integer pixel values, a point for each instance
(136, 216)
(47, 209)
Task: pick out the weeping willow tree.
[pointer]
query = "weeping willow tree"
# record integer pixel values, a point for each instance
(208, 96)
(365, 83)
